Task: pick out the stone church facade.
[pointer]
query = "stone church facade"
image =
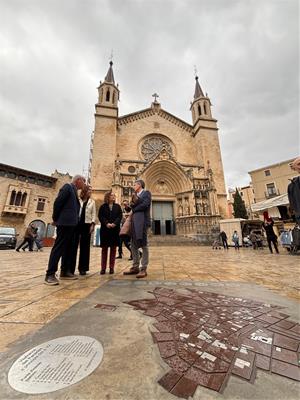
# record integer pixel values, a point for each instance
(180, 163)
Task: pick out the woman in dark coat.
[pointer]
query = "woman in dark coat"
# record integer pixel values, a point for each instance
(110, 217)
(271, 236)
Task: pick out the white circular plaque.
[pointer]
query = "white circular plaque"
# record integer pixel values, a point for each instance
(55, 364)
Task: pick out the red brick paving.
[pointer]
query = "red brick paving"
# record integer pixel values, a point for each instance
(206, 337)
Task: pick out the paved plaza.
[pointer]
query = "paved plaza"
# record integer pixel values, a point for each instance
(32, 313)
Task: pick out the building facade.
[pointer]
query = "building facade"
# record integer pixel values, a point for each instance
(27, 196)
(270, 190)
(272, 180)
(180, 163)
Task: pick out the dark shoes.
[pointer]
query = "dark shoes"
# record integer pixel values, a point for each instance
(51, 280)
(132, 271)
(141, 274)
(82, 273)
(111, 271)
(102, 272)
(68, 276)
(17, 250)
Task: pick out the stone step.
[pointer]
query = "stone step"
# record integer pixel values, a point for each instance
(172, 240)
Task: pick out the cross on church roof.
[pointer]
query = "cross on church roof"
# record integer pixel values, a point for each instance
(155, 95)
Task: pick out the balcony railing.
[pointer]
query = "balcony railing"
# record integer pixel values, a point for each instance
(15, 209)
(272, 193)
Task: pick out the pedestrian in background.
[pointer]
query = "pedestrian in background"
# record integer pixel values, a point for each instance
(86, 227)
(28, 238)
(271, 236)
(110, 217)
(223, 238)
(236, 240)
(65, 217)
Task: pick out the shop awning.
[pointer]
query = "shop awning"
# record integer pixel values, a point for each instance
(281, 200)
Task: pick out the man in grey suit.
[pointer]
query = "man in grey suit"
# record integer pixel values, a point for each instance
(141, 203)
(65, 217)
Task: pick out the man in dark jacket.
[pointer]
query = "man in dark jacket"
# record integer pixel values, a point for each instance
(141, 203)
(65, 217)
(294, 190)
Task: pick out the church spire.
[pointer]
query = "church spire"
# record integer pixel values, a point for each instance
(198, 90)
(110, 74)
(200, 106)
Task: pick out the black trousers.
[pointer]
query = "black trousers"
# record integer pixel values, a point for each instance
(127, 241)
(274, 241)
(225, 244)
(84, 246)
(62, 249)
(28, 242)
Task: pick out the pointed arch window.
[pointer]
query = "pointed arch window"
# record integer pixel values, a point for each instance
(12, 198)
(24, 197)
(18, 199)
(114, 97)
(199, 109)
(107, 98)
(101, 95)
(204, 107)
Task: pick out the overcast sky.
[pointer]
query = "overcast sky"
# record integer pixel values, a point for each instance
(53, 53)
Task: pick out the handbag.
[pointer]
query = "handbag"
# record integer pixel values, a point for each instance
(126, 227)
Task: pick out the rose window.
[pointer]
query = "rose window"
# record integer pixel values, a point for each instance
(153, 146)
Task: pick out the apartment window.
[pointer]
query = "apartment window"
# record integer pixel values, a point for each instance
(267, 172)
(41, 204)
(271, 189)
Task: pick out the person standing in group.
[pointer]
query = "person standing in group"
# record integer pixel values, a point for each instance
(140, 205)
(110, 217)
(28, 238)
(223, 237)
(271, 236)
(236, 240)
(65, 217)
(86, 227)
(294, 190)
(125, 238)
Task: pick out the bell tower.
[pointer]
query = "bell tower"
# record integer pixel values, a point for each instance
(103, 149)
(200, 106)
(205, 132)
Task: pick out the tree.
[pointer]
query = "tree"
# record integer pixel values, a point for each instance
(239, 206)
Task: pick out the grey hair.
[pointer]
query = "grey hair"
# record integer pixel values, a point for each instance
(141, 182)
(76, 177)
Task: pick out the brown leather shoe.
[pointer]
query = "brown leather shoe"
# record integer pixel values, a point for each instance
(142, 274)
(132, 271)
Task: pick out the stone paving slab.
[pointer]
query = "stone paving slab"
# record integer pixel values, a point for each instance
(132, 365)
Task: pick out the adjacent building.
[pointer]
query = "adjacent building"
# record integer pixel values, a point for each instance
(27, 196)
(180, 162)
(270, 189)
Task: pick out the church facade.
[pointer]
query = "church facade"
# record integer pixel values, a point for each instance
(180, 163)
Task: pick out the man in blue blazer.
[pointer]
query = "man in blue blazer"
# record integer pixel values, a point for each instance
(140, 206)
(65, 217)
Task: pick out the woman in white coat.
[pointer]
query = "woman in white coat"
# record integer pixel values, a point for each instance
(86, 227)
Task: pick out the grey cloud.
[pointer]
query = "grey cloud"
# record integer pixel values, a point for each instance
(54, 53)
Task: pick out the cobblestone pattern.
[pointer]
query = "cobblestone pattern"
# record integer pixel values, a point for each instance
(207, 337)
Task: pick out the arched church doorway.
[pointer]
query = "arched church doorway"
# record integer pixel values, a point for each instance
(163, 222)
